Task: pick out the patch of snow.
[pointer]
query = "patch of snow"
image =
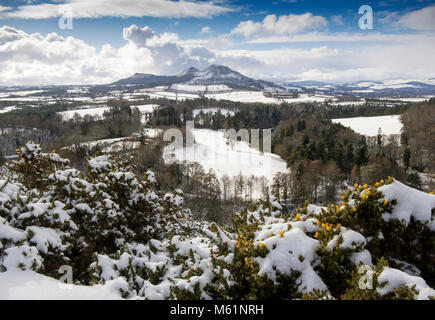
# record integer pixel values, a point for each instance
(369, 126)
(29, 285)
(410, 203)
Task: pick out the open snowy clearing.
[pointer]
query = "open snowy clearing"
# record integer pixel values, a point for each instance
(304, 98)
(349, 103)
(242, 96)
(94, 112)
(213, 151)
(200, 88)
(421, 99)
(213, 111)
(369, 126)
(7, 109)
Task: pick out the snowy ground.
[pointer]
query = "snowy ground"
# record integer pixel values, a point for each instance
(213, 111)
(421, 99)
(242, 96)
(200, 88)
(95, 112)
(7, 109)
(309, 98)
(213, 151)
(145, 110)
(29, 285)
(349, 103)
(369, 126)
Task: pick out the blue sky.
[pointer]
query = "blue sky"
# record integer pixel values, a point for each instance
(275, 40)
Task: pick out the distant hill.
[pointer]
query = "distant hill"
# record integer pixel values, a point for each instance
(213, 75)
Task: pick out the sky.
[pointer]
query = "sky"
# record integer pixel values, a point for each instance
(94, 42)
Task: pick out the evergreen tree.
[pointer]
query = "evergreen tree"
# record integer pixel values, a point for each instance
(362, 153)
(2, 159)
(407, 158)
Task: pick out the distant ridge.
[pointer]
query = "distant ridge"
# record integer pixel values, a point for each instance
(212, 75)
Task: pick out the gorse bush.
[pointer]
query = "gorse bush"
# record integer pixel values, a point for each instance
(115, 228)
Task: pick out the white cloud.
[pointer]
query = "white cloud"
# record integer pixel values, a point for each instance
(411, 60)
(344, 37)
(117, 8)
(2, 8)
(33, 59)
(205, 30)
(282, 25)
(423, 19)
(337, 20)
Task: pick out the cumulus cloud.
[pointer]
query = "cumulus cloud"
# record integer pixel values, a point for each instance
(116, 8)
(205, 30)
(423, 19)
(168, 56)
(282, 25)
(2, 8)
(410, 60)
(35, 59)
(337, 20)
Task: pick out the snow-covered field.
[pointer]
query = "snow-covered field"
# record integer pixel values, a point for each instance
(145, 110)
(421, 99)
(213, 111)
(369, 126)
(242, 96)
(95, 112)
(257, 96)
(309, 98)
(7, 109)
(213, 151)
(172, 95)
(349, 103)
(200, 88)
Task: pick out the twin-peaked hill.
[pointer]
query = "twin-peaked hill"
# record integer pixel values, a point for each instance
(213, 75)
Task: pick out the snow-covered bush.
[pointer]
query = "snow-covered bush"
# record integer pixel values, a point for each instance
(116, 230)
(69, 217)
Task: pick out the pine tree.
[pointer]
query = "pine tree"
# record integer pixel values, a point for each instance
(362, 153)
(2, 159)
(407, 158)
